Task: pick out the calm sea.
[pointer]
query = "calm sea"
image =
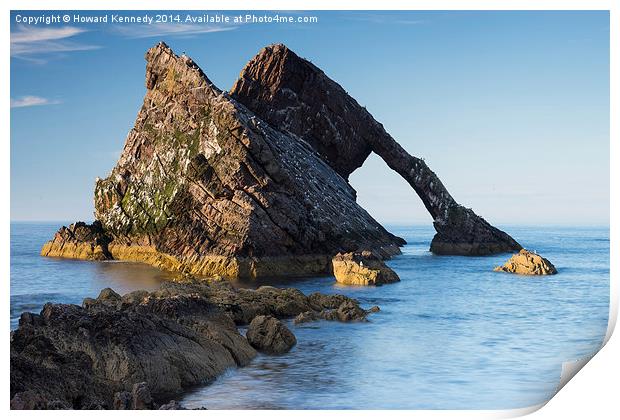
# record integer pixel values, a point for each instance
(452, 334)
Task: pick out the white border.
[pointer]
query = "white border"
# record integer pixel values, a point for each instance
(594, 392)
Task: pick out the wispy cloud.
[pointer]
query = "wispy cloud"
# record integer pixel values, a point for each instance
(34, 43)
(167, 29)
(30, 100)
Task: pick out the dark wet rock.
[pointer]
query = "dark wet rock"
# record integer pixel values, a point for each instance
(528, 263)
(114, 351)
(42, 374)
(269, 335)
(205, 187)
(323, 301)
(172, 405)
(292, 94)
(108, 295)
(362, 269)
(141, 397)
(346, 312)
(59, 405)
(307, 316)
(123, 401)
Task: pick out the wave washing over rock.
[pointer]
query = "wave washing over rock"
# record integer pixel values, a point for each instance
(254, 183)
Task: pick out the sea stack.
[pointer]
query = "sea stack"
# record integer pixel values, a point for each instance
(205, 187)
(254, 183)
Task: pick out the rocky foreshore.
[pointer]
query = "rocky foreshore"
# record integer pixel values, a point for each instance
(142, 349)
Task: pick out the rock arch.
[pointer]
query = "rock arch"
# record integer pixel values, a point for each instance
(253, 182)
(295, 96)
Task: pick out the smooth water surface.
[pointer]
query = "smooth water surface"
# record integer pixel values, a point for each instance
(36, 280)
(452, 334)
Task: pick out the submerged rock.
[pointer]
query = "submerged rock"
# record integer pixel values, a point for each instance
(205, 187)
(292, 94)
(136, 351)
(362, 268)
(269, 335)
(347, 311)
(528, 263)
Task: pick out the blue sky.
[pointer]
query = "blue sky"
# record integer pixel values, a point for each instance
(510, 109)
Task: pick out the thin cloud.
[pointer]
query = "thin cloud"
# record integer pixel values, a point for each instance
(167, 29)
(31, 43)
(30, 100)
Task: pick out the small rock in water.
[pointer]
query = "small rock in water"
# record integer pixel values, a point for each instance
(270, 335)
(362, 268)
(528, 263)
(307, 316)
(349, 311)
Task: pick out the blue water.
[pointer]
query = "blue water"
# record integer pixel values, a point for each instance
(36, 280)
(452, 334)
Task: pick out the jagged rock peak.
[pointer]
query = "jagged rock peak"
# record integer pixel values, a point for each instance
(163, 63)
(294, 95)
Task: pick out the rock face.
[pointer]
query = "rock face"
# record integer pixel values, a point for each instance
(269, 335)
(136, 351)
(362, 268)
(528, 263)
(292, 94)
(205, 187)
(81, 241)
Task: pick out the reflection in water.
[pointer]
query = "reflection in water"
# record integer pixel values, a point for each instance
(36, 280)
(127, 276)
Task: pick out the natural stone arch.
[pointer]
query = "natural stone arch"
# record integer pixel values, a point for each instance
(292, 94)
(254, 183)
